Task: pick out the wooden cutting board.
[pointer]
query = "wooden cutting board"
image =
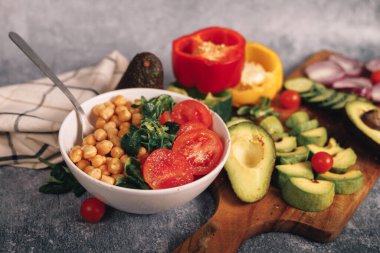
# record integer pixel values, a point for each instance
(235, 221)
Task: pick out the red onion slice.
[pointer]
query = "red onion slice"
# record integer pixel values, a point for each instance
(354, 82)
(350, 66)
(373, 65)
(325, 72)
(375, 94)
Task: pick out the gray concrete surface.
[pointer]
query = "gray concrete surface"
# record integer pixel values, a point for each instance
(71, 34)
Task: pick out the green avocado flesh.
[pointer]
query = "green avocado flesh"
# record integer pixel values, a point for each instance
(285, 144)
(308, 194)
(287, 171)
(332, 147)
(343, 160)
(304, 126)
(250, 163)
(317, 136)
(236, 120)
(297, 118)
(354, 110)
(300, 154)
(347, 183)
(272, 125)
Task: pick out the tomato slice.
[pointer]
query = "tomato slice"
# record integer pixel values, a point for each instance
(189, 126)
(191, 110)
(202, 148)
(165, 168)
(166, 116)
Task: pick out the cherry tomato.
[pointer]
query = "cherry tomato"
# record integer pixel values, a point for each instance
(165, 168)
(166, 116)
(375, 77)
(202, 148)
(92, 210)
(322, 162)
(191, 125)
(191, 110)
(290, 99)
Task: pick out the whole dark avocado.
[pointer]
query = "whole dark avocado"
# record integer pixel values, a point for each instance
(144, 71)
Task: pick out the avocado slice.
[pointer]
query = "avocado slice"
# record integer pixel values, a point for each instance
(272, 125)
(285, 144)
(347, 183)
(355, 111)
(304, 126)
(300, 154)
(287, 171)
(144, 71)
(317, 136)
(236, 120)
(332, 147)
(343, 160)
(250, 163)
(309, 195)
(296, 118)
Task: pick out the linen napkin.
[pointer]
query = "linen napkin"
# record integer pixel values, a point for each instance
(31, 113)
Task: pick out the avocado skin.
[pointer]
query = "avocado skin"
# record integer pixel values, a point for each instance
(144, 71)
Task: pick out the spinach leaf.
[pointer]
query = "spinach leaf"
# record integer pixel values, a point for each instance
(134, 178)
(154, 107)
(131, 142)
(61, 180)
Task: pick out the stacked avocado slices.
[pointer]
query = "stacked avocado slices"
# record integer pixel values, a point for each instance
(301, 187)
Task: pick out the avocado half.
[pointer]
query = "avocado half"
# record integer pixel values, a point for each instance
(355, 111)
(250, 163)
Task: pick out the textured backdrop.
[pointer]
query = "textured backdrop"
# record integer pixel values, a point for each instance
(71, 34)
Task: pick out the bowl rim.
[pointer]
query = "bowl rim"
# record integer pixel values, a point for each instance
(186, 187)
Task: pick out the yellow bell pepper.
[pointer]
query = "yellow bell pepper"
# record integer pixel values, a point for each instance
(271, 85)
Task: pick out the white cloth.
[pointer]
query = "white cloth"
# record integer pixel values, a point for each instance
(31, 113)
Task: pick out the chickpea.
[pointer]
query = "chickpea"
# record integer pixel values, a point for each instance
(98, 161)
(115, 119)
(100, 123)
(108, 179)
(125, 125)
(123, 159)
(104, 170)
(88, 169)
(117, 152)
(89, 139)
(136, 118)
(115, 140)
(142, 154)
(95, 173)
(106, 113)
(109, 125)
(119, 100)
(104, 147)
(121, 108)
(82, 164)
(122, 132)
(124, 115)
(112, 132)
(76, 147)
(100, 134)
(114, 166)
(89, 151)
(110, 104)
(98, 108)
(75, 155)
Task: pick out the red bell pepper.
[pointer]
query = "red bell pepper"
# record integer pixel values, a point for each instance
(207, 72)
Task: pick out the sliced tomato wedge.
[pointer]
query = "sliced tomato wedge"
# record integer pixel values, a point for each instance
(191, 110)
(202, 148)
(189, 126)
(166, 116)
(166, 168)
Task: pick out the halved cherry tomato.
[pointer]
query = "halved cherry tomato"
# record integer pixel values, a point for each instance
(375, 77)
(188, 126)
(92, 210)
(166, 116)
(202, 148)
(290, 99)
(191, 110)
(166, 168)
(322, 162)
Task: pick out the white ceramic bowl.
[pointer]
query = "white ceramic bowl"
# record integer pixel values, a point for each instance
(132, 200)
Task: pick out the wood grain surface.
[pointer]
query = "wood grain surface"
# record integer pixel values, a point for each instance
(235, 221)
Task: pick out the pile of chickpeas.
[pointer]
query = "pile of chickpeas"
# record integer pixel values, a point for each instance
(100, 154)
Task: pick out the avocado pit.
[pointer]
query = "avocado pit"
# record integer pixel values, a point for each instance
(372, 118)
